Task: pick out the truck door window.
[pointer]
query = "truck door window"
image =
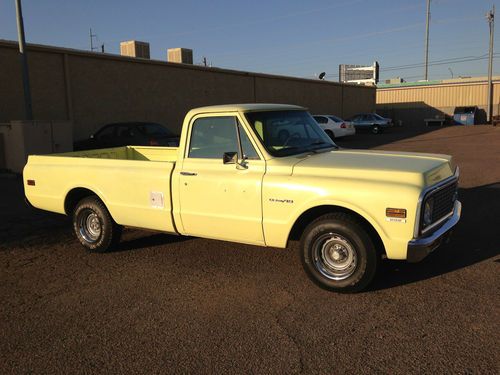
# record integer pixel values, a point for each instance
(211, 137)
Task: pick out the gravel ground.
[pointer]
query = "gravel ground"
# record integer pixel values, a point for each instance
(164, 304)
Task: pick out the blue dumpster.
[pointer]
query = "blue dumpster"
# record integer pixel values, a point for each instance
(465, 115)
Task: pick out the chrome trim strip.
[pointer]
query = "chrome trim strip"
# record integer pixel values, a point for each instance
(434, 225)
(453, 220)
(433, 188)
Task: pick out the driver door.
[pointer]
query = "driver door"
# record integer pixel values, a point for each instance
(221, 200)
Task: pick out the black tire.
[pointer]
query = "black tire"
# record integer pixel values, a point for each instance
(330, 134)
(94, 227)
(376, 129)
(338, 254)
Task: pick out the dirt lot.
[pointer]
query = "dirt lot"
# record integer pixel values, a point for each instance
(178, 305)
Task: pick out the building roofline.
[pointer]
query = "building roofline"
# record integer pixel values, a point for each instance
(110, 56)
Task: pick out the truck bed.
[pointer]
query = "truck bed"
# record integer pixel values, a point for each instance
(143, 153)
(133, 182)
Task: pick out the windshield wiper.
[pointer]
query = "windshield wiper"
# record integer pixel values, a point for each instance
(323, 143)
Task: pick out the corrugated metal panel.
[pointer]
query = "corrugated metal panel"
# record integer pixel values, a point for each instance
(439, 95)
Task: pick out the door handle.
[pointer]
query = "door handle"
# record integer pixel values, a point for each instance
(189, 173)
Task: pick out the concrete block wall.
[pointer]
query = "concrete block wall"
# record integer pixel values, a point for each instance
(92, 89)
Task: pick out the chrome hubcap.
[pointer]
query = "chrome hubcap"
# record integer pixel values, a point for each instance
(334, 256)
(89, 225)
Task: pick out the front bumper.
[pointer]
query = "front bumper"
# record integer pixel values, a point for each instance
(419, 248)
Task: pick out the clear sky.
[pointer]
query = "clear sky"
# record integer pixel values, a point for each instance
(289, 37)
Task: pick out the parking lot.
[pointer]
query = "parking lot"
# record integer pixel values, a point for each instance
(185, 305)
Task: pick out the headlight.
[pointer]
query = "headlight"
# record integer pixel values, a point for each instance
(429, 203)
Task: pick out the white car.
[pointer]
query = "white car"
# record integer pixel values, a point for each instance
(334, 126)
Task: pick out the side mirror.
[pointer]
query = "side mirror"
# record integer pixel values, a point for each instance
(230, 158)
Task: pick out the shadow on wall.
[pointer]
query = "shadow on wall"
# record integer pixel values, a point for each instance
(475, 239)
(366, 140)
(413, 114)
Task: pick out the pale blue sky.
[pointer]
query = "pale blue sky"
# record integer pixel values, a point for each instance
(289, 37)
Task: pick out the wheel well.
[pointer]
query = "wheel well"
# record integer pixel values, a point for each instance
(75, 196)
(313, 213)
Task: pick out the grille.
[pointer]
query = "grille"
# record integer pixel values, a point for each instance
(444, 201)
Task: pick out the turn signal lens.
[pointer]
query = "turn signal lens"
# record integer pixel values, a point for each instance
(343, 126)
(396, 212)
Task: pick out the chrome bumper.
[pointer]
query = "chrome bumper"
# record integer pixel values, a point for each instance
(419, 248)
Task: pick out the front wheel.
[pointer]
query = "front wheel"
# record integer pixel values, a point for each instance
(93, 225)
(338, 254)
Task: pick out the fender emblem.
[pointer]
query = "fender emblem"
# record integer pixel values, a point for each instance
(277, 200)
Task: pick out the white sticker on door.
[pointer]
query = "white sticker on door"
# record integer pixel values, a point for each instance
(156, 199)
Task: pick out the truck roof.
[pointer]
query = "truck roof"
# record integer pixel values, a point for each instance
(248, 107)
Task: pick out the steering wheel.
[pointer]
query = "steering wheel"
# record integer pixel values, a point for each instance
(290, 138)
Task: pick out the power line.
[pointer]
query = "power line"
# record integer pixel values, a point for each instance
(440, 63)
(453, 60)
(447, 60)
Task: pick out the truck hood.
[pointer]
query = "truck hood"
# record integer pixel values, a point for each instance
(412, 168)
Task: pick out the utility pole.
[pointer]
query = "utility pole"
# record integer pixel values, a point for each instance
(102, 48)
(92, 36)
(490, 16)
(427, 40)
(28, 111)
(204, 61)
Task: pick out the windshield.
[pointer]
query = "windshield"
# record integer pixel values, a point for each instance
(285, 133)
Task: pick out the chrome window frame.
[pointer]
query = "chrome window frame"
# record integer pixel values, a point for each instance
(431, 190)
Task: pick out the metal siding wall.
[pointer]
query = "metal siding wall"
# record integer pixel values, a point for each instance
(413, 104)
(439, 95)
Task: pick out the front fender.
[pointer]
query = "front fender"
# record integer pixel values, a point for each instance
(285, 201)
(277, 234)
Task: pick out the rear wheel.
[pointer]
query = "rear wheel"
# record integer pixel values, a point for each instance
(93, 225)
(376, 129)
(330, 134)
(338, 254)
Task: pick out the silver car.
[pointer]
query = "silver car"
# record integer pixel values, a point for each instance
(375, 123)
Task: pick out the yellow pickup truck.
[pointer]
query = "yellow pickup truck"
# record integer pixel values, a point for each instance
(261, 174)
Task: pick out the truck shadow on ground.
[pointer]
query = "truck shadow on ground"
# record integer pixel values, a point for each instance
(475, 239)
(146, 240)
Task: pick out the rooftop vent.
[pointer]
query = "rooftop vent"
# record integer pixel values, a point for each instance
(134, 48)
(180, 55)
